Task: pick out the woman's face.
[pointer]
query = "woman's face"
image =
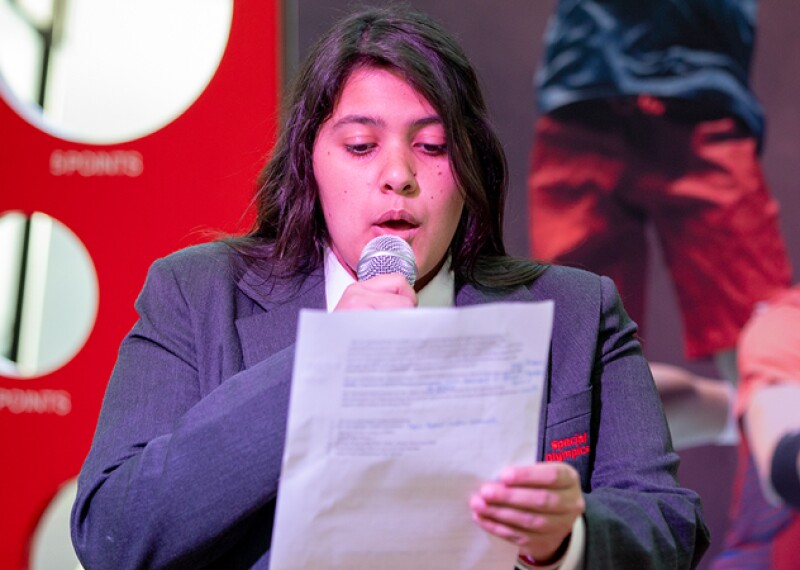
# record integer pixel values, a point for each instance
(382, 167)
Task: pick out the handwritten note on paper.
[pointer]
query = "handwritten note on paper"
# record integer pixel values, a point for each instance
(396, 417)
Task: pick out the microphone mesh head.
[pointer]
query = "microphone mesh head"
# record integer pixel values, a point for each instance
(387, 254)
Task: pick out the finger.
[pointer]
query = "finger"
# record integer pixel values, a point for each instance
(382, 292)
(551, 475)
(390, 283)
(493, 498)
(531, 499)
(542, 546)
(514, 536)
(521, 522)
(360, 300)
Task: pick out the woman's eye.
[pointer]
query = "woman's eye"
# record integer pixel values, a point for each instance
(359, 149)
(433, 149)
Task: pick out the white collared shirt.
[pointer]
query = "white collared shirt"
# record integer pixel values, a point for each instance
(439, 292)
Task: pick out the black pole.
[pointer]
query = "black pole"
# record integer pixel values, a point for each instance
(13, 353)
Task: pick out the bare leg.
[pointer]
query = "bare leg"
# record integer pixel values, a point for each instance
(699, 410)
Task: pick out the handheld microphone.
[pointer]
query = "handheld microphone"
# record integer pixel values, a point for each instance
(387, 254)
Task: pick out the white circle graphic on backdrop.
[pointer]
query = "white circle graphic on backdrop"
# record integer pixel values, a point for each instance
(109, 71)
(48, 294)
(51, 546)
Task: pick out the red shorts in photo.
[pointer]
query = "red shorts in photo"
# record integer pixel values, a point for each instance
(602, 172)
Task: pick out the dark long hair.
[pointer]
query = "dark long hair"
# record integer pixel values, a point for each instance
(289, 216)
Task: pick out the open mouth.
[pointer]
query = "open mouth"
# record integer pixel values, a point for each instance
(397, 225)
(397, 222)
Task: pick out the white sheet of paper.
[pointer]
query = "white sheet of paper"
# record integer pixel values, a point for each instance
(395, 418)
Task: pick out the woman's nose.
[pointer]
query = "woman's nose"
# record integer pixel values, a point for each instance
(399, 174)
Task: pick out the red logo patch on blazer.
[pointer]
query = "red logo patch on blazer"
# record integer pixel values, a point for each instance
(569, 447)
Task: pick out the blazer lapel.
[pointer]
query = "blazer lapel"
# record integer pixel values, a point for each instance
(271, 325)
(470, 295)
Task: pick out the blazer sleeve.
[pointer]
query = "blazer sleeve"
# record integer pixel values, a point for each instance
(179, 473)
(637, 515)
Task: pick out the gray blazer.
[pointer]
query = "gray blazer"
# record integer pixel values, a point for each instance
(185, 464)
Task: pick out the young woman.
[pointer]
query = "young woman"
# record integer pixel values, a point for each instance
(385, 133)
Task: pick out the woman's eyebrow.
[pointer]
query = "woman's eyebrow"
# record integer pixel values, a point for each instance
(359, 120)
(378, 122)
(429, 120)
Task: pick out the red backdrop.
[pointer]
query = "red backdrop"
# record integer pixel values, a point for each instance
(195, 174)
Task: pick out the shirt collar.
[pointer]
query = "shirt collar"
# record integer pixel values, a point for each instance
(439, 292)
